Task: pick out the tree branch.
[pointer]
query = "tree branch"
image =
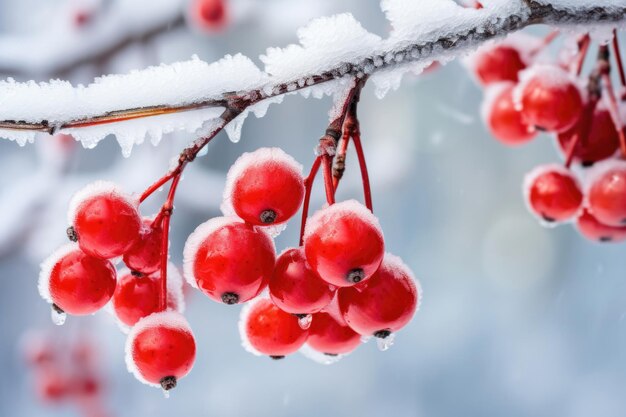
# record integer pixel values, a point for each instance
(396, 56)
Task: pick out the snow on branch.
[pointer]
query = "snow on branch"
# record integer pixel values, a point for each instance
(197, 97)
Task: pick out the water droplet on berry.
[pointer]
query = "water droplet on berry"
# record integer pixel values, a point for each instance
(166, 393)
(58, 316)
(305, 321)
(385, 343)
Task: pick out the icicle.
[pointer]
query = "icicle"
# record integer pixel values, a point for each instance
(385, 343)
(305, 321)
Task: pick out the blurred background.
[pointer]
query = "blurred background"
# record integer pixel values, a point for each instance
(516, 320)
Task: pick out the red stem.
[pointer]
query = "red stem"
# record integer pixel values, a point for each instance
(356, 138)
(158, 184)
(570, 151)
(583, 48)
(341, 155)
(547, 40)
(618, 60)
(308, 186)
(614, 111)
(166, 212)
(328, 178)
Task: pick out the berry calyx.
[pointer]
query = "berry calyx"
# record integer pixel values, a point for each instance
(549, 98)
(329, 336)
(598, 139)
(385, 303)
(498, 63)
(138, 297)
(144, 255)
(76, 283)
(343, 243)
(592, 229)
(267, 330)
(553, 193)
(607, 193)
(504, 120)
(161, 349)
(264, 187)
(229, 260)
(295, 288)
(106, 222)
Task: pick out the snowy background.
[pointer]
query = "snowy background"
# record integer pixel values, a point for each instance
(517, 320)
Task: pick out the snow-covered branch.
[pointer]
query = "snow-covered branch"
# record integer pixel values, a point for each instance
(193, 95)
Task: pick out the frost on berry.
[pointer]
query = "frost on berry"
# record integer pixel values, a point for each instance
(308, 352)
(605, 186)
(137, 297)
(168, 349)
(264, 187)
(267, 330)
(106, 221)
(552, 193)
(385, 303)
(344, 243)
(229, 260)
(504, 120)
(76, 283)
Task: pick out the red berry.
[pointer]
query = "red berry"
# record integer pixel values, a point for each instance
(592, 229)
(229, 260)
(327, 335)
(598, 137)
(104, 220)
(52, 385)
(161, 349)
(498, 63)
(267, 330)
(39, 350)
(553, 193)
(138, 297)
(549, 98)
(264, 187)
(504, 120)
(145, 254)
(343, 243)
(209, 15)
(295, 288)
(607, 194)
(75, 282)
(385, 303)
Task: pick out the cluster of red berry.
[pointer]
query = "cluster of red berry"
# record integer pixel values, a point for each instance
(525, 94)
(65, 371)
(336, 287)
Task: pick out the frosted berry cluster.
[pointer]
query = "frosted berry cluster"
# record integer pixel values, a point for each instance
(337, 286)
(527, 93)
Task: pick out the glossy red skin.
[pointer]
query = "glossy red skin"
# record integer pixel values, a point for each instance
(344, 244)
(500, 63)
(549, 108)
(145, 254)
(607, 197)
(272, 331)
(555, 197)
(506, 122)
(107, 226)
(135, 298)
(211, 15)
(267, 186)
(327, 335)
(592, 229)
(386, 302)
(235, 258)
(295, 288)
(81, 284)
(601, 142)
(159, 352)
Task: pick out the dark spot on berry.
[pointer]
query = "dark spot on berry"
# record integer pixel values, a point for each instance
(355, 275)
(168, 382)
(300, 316)
(382, 334)
(605, 238)
(277, 357)
(541, 128)
(136, 274)
(71, 234)
(548, 218)
(58, 309)
(331, 354)
(230, 298)
(587, 164)
(268, 216)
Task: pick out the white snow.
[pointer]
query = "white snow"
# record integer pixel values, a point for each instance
(97, 188)
(551, 76)
(308, 352)
(167, 319)
(323, 217)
